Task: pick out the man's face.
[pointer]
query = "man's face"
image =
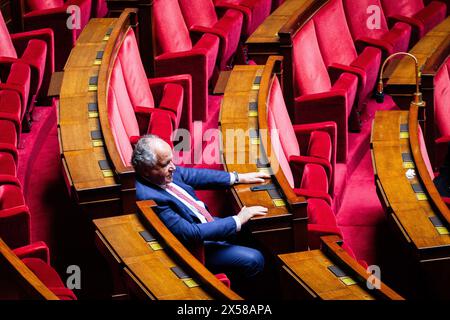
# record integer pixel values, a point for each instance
(162, 172)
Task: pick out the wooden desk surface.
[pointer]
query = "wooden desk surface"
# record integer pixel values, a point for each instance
(152, 268)
(150, 264)
(244, 143)
(267, 32)
(82, 144)
(239, 151)
(310, 270)
(403, 72)
(413, 215)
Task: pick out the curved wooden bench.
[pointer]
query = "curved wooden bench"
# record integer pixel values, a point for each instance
(431, 51)
(93, 181)
(146, 269)
(414, 207)
(309, 275)
(243, 110)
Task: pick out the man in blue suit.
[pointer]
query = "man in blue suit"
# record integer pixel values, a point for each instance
(172, 188)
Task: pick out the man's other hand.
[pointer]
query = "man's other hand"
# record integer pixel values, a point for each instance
(253, 177)
(249, 212)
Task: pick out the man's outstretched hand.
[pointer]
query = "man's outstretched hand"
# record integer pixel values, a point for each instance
(247, 213)
(253, 177)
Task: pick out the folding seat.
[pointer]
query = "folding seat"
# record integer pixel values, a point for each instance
(321, 222)
(175, 53)
(200, 17)
(36, 257)
(311, 181)
(303, 144)
(18, 79)
(36, 50)
(366, 33)
(317, 98)
(54, 14)
(8, 160)
(14, 214)
(254, 11)
(339, 52)
(413, 12)
(11, 111)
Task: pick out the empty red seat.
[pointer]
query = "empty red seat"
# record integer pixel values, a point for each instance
(200, 17)
(35, 49)
(365, 31)
(176, 54)
(172, 94)
(134, 100)
(8, 160)
(54, 14)
(317, 98)
(11, 109)
(413, 12)
(303, 144)
(18, 80)
(254, 11)
(14, 214)
(321, 222)
(36, 257)
(339, 52)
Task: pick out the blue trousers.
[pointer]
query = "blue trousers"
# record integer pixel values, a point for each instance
(239, 261)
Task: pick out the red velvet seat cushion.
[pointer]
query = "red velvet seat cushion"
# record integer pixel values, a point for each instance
(319, 212)
(43, 4)
(8, 132)
(320, 145)
(10, 196)
(314, 178)
(49, 277)
(7, 164)
(161, 125)
(10, 106)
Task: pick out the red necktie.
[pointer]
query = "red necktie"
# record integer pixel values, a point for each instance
(193, 203)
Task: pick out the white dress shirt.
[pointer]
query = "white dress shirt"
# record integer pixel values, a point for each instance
(201, 203)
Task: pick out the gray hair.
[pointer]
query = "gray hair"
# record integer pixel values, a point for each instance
(144, 151)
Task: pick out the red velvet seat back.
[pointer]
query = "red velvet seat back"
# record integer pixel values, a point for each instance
(442, 99)
(281, 119)
(10, 196)
(406, 8)
(171, 32)
(357, 18)
(333, 34)
(43, 4)
(134, 74)
(424, 152)
(6, 46)
(310, 74)
(277, 148)
(121, 116)
(198, 12)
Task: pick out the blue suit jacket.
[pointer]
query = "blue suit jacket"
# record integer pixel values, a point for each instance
(183, 223)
